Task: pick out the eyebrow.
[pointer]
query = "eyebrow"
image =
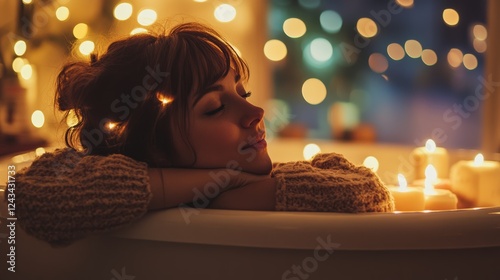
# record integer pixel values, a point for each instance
(216, 87)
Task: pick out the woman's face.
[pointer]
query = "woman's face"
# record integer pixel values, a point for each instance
(226, 131)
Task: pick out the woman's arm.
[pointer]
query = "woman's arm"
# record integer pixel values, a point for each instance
(258, 195)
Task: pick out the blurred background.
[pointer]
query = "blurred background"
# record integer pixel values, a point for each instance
(396, 72)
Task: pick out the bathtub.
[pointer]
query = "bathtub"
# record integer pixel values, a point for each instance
(190, 243)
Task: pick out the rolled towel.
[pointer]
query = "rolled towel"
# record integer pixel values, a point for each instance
(329, 183)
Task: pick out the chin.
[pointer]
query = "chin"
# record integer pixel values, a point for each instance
(259, 167)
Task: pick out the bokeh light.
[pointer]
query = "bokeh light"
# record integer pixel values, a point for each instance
(451, 17)
(405, 3)
(37, 119)
(479, 32)
(17, 64)
(321, 49)
(429, 57)
(455, 57)
(480, 46)
(372, 163)
(310, 4)
(313, 91)
(275, 50)
(86, 47)
(225, 13)
(147, 17)
(20, 47)
(395, 51)
(80, 30)
(62, 13)
(366, 27)
(123, 11)
(378, 63)
(310, 150)
(330, 21)
(26, 71)
(294, 27)
(71, 119)
(470, 61)
(413, 48)
(138, 30)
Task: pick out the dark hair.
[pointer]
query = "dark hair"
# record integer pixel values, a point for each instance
(127, 84)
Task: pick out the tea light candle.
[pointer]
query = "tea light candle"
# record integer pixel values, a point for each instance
(430, 154)
(477, 181)
(407, 198)
(437, 199)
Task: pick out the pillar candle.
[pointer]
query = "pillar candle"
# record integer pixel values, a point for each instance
(437, 199)
(477, 181)
(407, 198)
(430, 154)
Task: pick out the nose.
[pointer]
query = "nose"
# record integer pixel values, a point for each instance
(252, 116)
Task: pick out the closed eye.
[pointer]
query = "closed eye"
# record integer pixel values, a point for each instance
(213, 112)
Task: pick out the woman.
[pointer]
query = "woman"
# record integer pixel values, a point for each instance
(164, 121)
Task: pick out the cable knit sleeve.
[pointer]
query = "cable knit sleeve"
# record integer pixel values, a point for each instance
(64, 196)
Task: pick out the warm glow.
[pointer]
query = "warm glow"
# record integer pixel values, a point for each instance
(200, 1)
(378, 63)
(331, 21)
(310, 150)
(80, 30)
(71, 119)
(110, 125)
(225, 13)
(430, 146)
(470, 61)
(431, 173)
(413, 48)
(147, 17)
(123, 11)
(450, 17)
(62, 13)
(294, 27)
(39, 151)
(455, 57)
(27, 1)
(321, 49)
(405, 3)
(479, 160)
(86, 47)
(164, 99)
(26, 71)
(17, 64)
(313, 91)
(275, 50)
(403, 185)
(37, 119)
(429, 57)
(479, 32)
(372, 163)
(138, 30)
(20, 47)
(366, 27)
(479, 45)
(395, 51)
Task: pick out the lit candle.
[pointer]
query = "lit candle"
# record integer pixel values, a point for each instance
(437, 199)
(407, 198)
(430, 154)
(372, 163)
(477, 182)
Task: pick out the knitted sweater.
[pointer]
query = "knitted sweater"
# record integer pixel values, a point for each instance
(66, 195)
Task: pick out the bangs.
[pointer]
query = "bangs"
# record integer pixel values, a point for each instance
(201, 58)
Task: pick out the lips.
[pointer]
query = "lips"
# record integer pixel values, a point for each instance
(259, 142)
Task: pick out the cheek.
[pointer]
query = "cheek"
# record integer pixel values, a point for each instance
(221, 135)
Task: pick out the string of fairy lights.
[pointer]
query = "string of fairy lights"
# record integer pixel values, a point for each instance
(317, 52)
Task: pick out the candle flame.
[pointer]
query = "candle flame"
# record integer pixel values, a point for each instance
(371, 162)
(430, 178)
(430, 146)
(479, 159)
(403, 185)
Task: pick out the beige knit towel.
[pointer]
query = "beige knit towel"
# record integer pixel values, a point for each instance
(329, 183)
(66, 195)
